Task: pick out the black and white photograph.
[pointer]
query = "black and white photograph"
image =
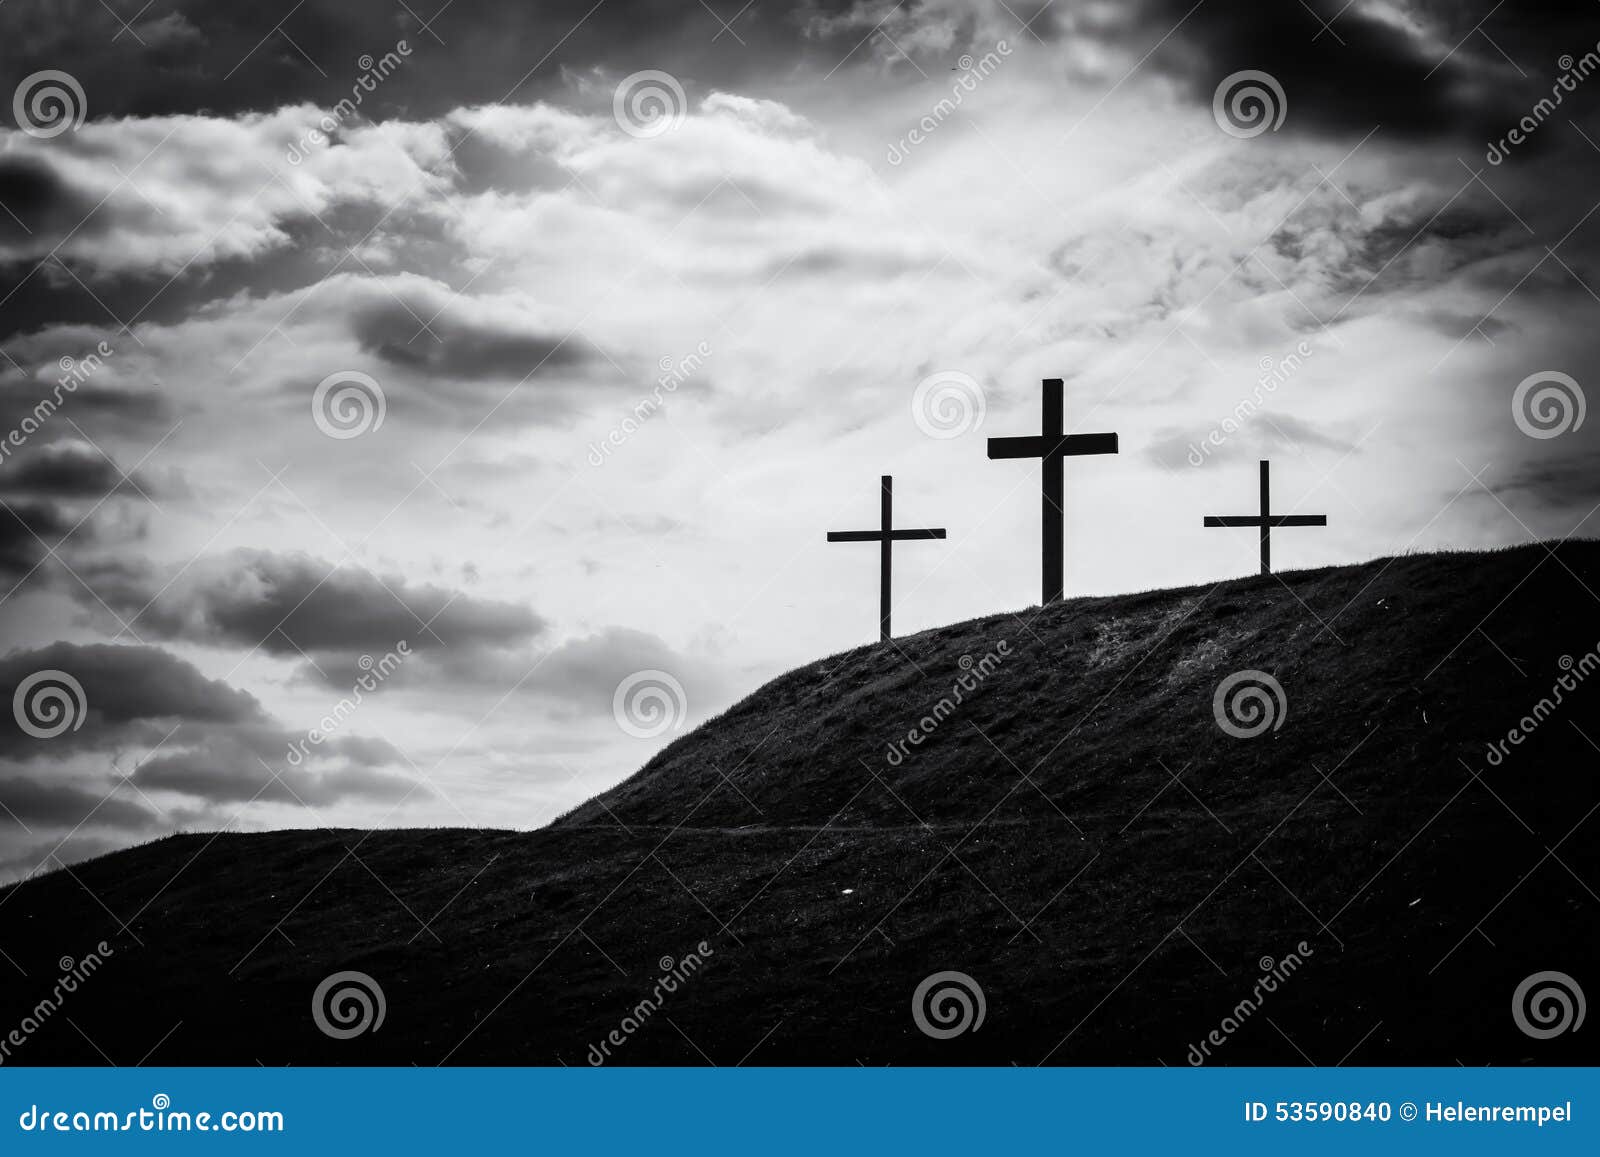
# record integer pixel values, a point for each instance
(645, 534)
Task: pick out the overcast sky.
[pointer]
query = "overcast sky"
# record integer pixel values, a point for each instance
(858, 234)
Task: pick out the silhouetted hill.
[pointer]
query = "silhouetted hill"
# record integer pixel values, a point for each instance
(1077, 833)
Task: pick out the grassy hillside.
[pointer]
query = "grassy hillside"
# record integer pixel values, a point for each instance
(1077, 833)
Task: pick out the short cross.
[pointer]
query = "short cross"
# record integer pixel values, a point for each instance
(885, 537)
(1053, 447)
(1266, 520)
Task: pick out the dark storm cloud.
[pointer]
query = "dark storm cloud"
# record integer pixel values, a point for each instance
(437, 333)
(100, 410)
(1406, 245)
(1565, 483)
(293, 604)
(27, 531)
(213, 771)
(44, 855)
(41, 804)
(1362, 72)
(1430, 69)
(226, 58)
(69, 470)
(37, 203)
(130, 694)
(179, 731)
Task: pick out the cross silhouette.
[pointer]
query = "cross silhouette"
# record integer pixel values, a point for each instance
(1266, 520)
(885, 537)
(1053, 446)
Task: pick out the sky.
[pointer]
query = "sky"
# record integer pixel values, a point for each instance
(444, 405)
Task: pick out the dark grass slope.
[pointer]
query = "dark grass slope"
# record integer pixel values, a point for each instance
(1078, 835)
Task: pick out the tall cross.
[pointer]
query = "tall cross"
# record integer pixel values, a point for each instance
(1266, 520)
(1052, 446)
(885, 537)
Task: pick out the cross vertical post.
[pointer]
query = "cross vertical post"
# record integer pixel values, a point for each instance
(1053, 500)
(1266, 526)
(885, 553)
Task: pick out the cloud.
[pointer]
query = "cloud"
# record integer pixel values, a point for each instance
(130, 695)
(460, 341)
(294, 604)
(71, 469)
(167, 195)
(27, 532)
(1252, 435)
(214, 771)
(157, 743)
(33, 803)
(1566, 483)
(580, 674)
